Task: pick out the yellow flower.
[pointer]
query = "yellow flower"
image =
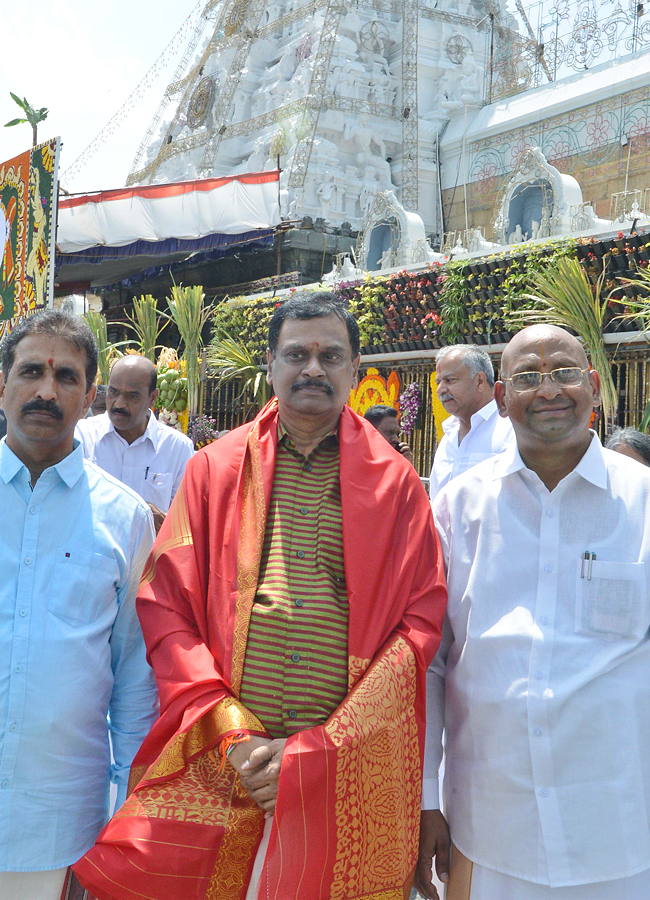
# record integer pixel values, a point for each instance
(47, 154)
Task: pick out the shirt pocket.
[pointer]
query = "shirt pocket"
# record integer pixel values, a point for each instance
(612, 604)
(473, 459)
(160, 488)
(329, 553)
(83, 586)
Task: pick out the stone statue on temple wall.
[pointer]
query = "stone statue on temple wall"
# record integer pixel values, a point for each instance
(259, 156)
(364, 138)
(326, 194)
(517, 236)
(471, 82)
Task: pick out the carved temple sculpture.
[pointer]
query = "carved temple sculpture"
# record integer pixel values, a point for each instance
(337, 80)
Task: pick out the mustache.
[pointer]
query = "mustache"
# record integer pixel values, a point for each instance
(47, 406)
(313, 383)
(444, 397)
(120, 412)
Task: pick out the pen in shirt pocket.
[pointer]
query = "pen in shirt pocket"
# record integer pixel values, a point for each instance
(146, 472)
(589, 557)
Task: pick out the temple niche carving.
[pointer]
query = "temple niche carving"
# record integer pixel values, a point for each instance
(539, 202)
(391, 236)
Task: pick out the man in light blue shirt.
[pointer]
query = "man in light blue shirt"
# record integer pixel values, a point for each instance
(73, 542)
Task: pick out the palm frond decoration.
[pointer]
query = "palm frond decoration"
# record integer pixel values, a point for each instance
(107, 352)
(148, 324)
(190, 315)
(232, 361)
(639, 309)
(564, 296)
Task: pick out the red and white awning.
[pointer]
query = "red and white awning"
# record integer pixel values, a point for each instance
(185, 211)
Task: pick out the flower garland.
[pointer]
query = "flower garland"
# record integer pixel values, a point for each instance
(409, 404)
(203, 431)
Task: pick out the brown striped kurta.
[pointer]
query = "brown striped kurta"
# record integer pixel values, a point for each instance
(296, 666)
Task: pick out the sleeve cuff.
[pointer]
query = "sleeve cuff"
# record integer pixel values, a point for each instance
(430, 793)
(120, 778)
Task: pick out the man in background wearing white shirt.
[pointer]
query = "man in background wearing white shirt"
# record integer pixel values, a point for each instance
(543, 676)
(474, 431)
(130, 443)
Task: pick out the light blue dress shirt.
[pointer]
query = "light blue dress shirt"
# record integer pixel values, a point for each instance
(71, 654)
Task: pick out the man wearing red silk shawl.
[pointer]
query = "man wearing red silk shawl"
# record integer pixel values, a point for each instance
(290, 606)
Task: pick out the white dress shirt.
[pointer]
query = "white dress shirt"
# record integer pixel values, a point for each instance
(153, 465)
(542, 680)
(71, 651)
(489, 433)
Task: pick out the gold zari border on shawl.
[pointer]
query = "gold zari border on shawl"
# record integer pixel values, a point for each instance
(180, 534)
(377, 780)
(251, 542)
(227, 717)
(235, 855)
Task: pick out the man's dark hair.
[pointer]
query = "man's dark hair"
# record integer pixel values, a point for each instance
(316, 305)
(378, 412)
(635, 440)
(57, 323)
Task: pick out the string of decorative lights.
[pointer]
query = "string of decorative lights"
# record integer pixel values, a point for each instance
(177, 42)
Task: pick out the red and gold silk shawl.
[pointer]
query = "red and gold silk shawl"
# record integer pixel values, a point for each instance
(346, 820)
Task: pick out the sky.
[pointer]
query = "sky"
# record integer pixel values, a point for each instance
(82, 59)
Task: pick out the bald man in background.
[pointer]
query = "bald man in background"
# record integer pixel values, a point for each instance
(128, 442)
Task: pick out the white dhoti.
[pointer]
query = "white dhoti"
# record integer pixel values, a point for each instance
(32, 885)
(253, 887)
(469, 881)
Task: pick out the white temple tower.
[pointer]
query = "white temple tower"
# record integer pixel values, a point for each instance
(351, 96)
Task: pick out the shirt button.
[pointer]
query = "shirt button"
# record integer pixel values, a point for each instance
(544, 620)
(299, 602)
(18, 668)
(548, 568)
(304, 510)
(539, 675)
(550, 513)
(22, 612)
(292, 714)
(308, 467)
(300, 554)
(544, 792)
(5, 783)
(28, 560)
(32, 510)
(295, 657)
(538, 732)
(13, 726)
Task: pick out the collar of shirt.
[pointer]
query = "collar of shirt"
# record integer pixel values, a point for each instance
(284, 438)
(591, 467)
(69, 469)
(152, 431)
(482, 415)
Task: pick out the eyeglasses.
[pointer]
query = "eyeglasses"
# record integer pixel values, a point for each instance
(532, 381)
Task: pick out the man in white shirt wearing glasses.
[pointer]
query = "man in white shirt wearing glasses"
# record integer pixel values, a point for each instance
(543, 675)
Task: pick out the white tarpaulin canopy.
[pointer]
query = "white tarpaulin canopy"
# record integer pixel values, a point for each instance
(186, 210)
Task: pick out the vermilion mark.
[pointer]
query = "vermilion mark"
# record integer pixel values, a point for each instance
(50, 362)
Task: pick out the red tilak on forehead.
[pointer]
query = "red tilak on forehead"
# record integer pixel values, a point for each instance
(50, 362)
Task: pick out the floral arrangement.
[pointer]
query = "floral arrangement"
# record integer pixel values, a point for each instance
(203, 431)
(409, 404)
(374, 389)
